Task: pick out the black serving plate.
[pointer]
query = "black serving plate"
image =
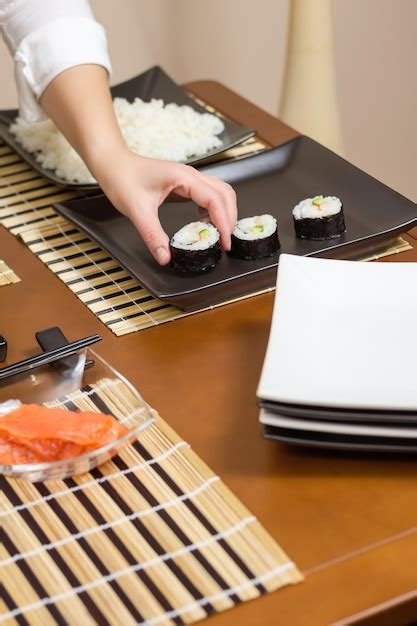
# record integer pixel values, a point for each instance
(270, 182)
(337, 414)
(351, 443)
(153, 83)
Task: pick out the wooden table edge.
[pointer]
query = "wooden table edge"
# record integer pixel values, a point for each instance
(402, 608)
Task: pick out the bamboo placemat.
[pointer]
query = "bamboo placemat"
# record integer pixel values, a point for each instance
(7, 276)
(151, 537)
(98, 280)
(400, 245)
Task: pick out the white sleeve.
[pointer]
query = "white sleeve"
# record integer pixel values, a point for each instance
(45, 38)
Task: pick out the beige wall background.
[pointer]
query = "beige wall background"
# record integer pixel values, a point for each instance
(342, 71)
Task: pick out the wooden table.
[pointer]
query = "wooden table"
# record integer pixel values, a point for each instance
(349, 522)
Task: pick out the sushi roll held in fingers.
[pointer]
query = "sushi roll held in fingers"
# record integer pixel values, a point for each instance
(319, 218)
(255, 237)
(195, 248)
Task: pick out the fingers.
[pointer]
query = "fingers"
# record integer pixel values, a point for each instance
(216, 197)
(154, 181)
(147, 223)
(229, 194)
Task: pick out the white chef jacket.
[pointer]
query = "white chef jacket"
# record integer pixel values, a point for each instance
(45, 38)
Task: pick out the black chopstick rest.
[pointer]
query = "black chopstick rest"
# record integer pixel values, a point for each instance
(53, 338)
(3, 348)
(48, 357)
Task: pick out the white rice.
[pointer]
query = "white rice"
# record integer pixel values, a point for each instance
(329, 205)
(152, 129)
(243, 227)
(188, 237)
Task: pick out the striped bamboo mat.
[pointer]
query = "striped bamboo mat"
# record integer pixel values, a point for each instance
(98, 280)
(151, 537)
(114, 296)
(7, 276)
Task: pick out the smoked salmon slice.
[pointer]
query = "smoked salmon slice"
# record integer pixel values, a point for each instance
(36, 434)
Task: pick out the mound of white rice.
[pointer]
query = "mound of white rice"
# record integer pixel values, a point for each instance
(152, 129)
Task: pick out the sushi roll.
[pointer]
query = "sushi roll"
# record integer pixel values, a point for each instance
(195, 248)
(319, 218)
(255, 237)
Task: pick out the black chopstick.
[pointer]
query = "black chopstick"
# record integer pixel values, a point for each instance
(47, 357)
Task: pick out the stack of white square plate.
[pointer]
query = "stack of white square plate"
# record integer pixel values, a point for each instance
(341, 364)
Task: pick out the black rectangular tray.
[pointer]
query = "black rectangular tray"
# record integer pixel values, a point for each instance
(270, 182)
(154, 83)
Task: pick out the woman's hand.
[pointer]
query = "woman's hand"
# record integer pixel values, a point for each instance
(137, 186)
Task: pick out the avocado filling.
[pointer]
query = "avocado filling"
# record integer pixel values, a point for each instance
(204, 233)
(257, 229)
(318, 200)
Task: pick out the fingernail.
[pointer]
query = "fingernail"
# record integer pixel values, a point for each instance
(161, 255)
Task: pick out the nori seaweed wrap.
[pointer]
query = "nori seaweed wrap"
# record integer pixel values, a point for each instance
(195, 248)
(319, 218)
(255, 237)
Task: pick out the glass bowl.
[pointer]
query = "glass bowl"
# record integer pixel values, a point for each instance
(68, 384)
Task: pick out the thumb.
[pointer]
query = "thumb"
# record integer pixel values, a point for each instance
(148, 224)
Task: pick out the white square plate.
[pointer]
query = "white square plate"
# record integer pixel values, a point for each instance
(344, 334)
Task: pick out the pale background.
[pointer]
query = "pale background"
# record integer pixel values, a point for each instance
(342, 71)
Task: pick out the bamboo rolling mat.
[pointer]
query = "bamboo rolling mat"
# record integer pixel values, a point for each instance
(98, 280)
(7, 276)
(151, 537)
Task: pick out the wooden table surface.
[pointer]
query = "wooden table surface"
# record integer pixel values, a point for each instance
(349, 521)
